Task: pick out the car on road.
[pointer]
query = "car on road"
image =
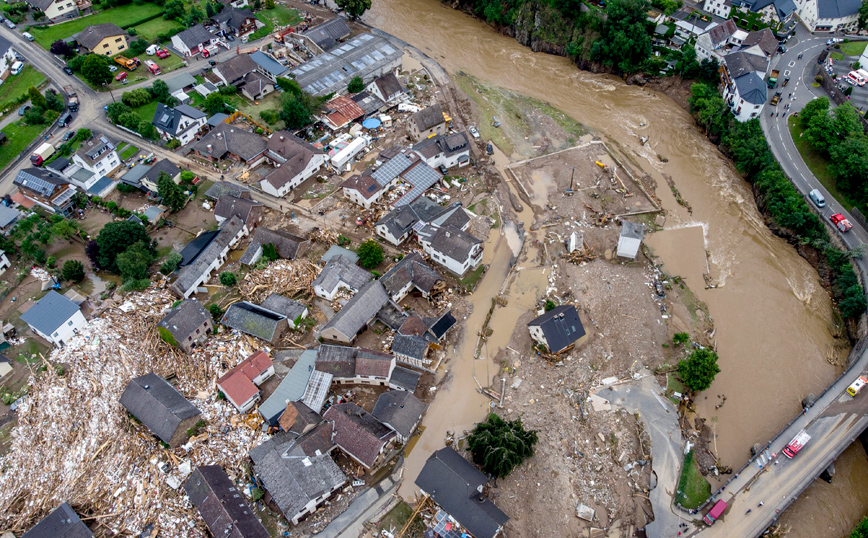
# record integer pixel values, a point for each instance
(786, 81)
(473, 132)
(68, 136)
(834, 40)
(67, 70)
(212, 63)
(9, 24)
(27, 36)
(840, 222)
(857, 386)
(817, 197)
(113, 68)
(19, 57)
(782, 48)
(23, 109)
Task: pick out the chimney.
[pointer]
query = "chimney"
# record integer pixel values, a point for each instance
(219, 136)
(209, 148)
(281, 137)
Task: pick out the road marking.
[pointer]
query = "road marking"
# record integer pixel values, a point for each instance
(792, 64)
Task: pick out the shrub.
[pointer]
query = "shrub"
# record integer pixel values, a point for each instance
(215, 311)
(370, 254)
(699, 369)
(126, 188)
(228, 278)
(171, 263)
(173, 144)
(550, 305)
(499, 446)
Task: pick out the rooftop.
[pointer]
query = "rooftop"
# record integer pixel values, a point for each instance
(92, 36)
(358, 433)
(561, 327)
(183, 320)
(157, 405)
(221, 505)
(253, 320)
(49, 313)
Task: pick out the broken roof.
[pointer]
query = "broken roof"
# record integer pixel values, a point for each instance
(632, 230)
(253, 320)
(291, 388)
(237, 383)
(341, 270)
(389, 85)
(358, 433)
(287, 244)
(228, 205)
(183, 320)
(62, 522)
(284, 306)
(359, 310)
(399, 410)
(224, 187)
(561, 327)
(317, 389)
(50, 312)
(402, 219)
(429, 117)
(221, 504)
(339, 361)
(410, 346)
(188, 275)
(157, 405)
(335, 251)
(298, 418)
(364, 184)
(328, 34)
(412, 269)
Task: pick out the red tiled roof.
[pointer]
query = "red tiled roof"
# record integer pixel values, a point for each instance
(237, 384)
(413, 326)
(22, 200)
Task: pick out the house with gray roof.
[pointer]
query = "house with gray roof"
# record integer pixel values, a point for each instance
(238, 22)
(288, 246)
(268, 66)
(358, 434)
(829, 15)
(298, 482)
(186, 325)
(161, 408)
(362, 189)
(743, 76)
(242, 206)
(254, 320)
(339, 273)
(232, 71)
(416, 335)
(428, 121)
(221, 505)
(558, 329)
(630, 239)
(182, 122)
(55, 318)
(293, 310)
(210, 259)
(404, 379)
(360, 311)
(401, 411)
(290, 389)
(397, 226)
(448, 150)
(451, 247)
(56, 10)
(411, 273)
(193, 40)
(329, 34)
(387, 88)
(93, 37)
(231, 142)
(180, 83)
(151, 177)
(334, 251)
(295, 160)
(62, 522)
(8, 217)
(455, 485)
(220, 188)
(354, 365)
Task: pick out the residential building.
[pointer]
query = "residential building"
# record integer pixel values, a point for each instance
(290, 389)
(255, 86)
(268, 66)
(7, 57)
(254, 320)
(630, 239)
(340, 111)
(220, 188)
(427, 122)
(299, 418)
(5, 366)
(293, 310)
(241, 384)
(146, 177)
(335, 251)
(161, 408)
(221, 504)
(339, 273)
(365, 56)
(98, 154)
(362, 190)
(47, 189)
(182, 122)
(411, 273)
(745, 90)
(180, 83)
(233, 71)
(295, 161)
(4, 261)
(355, 366)
(456, 250)
(288, 246)
(361, 436)
(62, 522)
(558, 329)
(297, 481)
(370, 104)
(80, 172)
(397, 226)
(717, 42)
(455, 485)
(230, 142)
(243, 207)
(193, 40)
(404, 379)
(186, 325)
(771, 11)
(107, 39)
(401, 411)
(238, 22)
(329, 34)
(54, 318)
(356, 314)
(416, 335)
(8, 217)
(760, 41)
(316, 391)
(448, 151)
(56, 10)
(387, 88)
(209, 258)
(720, 8)
(829, 15)
(690, 23)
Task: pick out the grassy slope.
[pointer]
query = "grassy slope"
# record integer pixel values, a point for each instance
(693, 488)
(151, 29)
(818, 164)
(17, 85)
(853, 48)
(19, 137)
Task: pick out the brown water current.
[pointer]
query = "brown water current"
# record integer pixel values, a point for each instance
(773, 320)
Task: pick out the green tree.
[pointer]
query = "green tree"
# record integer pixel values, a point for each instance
(77, 63)
(133, 263)
(625, 39)
(137, 97)
(848, 163)
(228, 278)
(64, 228)
(699, 369)
(289, 85)
(36, 98)
(215, 311)
(689, 64)
(269, 4)
(194, 17)
(174, 9)
(73, 270)
(171, 263)
(138, 46)
(54, 102)
(709, 109)
(115, 238)
(82, 134)
(161, 94)
(269, 252)
(680, 338)
(62, 48)
(354, 8)
(863, 14)
(172, 194)
(209, 9)
(214, 104)
(356, 85)
(34, 116)
(550, 305)
(370, 254)
(499, 446)
(96, 70)
(294, 111)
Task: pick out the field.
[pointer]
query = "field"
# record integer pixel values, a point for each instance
(693, 489)
(818, 164)
(121, 15)
(270, 102)
(853, 48)
(151, 29)
(18, 85)
(166, 65)
(19, 136)
(280, 15)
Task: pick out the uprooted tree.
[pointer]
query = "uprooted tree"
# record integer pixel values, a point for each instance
(698, 369)
(499, 446)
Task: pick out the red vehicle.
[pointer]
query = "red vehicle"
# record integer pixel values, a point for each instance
(798, 442)
(163, 53)
(121, 76)
(715, 512)
(840, 222)
(153, 67)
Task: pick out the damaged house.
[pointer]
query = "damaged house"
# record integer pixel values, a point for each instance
(241, 384)
(411, 273)
(287, 245)
(161, 408)
(417, 335)
(357, 314)
(209, 258)
(353, 365)
(62, 522)
(243, 207)
(339, 273)
(294, 159)
(221, 504)
(401, 411)
(356, 432)
(186, 325)
(558, 329)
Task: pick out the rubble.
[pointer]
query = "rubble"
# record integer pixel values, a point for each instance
(284, 277)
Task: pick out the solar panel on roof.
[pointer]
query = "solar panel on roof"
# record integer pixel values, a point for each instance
(387, 49)
(365, 37)
(377, 55)
(391, 169)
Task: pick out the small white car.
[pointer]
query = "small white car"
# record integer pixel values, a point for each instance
(473, 131)
(113, 68)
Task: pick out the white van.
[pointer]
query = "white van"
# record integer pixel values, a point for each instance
(27, 36)
(817, 197)
(17, 67)
(150, 51)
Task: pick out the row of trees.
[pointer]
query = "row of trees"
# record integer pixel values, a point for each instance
(44, 108)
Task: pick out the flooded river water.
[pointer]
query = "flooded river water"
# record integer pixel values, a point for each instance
(772, 318)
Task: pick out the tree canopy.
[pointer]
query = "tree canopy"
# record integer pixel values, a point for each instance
(96, 70)
(115, 238)
(698, 369)
(133, 263)
(356, 85)
(370, 254)
(171, 193)
(625, 39)
(499, 446)
(73, 270)
(354, 8)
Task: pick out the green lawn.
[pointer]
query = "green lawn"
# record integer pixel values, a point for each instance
(147, 111)
(837, 56)
(818, 164)
(151, 29)
(121, 15)
(693, 488)
(473, 277)
(17, 85)
(129, 151)
(280, 16)
(270, 102)
(853, 48)
(19, 136)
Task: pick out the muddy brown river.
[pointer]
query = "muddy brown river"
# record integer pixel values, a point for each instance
(773, 320)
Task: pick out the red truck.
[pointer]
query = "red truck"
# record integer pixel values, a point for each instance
(715, 512)
(840, 222)
(798, 442)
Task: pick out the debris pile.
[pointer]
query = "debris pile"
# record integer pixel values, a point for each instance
(75, 442)
(324, 236)
(285, 277)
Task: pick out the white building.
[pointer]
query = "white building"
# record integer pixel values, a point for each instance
(182, 122)
(241, 384)
(7, 57)
(211, 258)
(448, 151)
(630, 239)
(295, 161)
(98, 154)
(829, 15)
(55, 318)
(193, 40)
(342, 160)
(721, 8)
(4, 261)
(745, 90)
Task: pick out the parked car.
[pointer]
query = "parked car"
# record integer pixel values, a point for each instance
(489, 149)
(19, 57)
(121, 76)
(163, 53)
(27, 36)
(23, 109)
(68, 136)
(67, 70)
(212, 63)
(473, 131)
(113, 68)
(443, 169)
(229, 37)
(9, 24)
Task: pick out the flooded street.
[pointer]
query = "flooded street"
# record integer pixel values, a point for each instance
(773, 320)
